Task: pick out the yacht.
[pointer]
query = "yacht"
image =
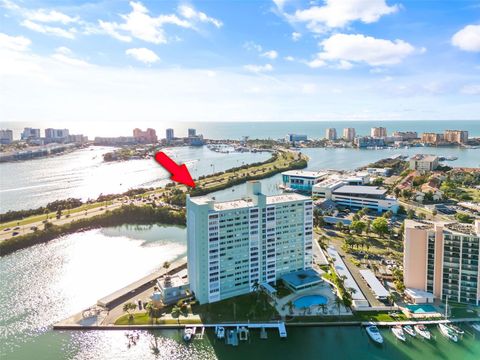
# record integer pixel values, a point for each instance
(398, 332)
(187, 334)
(220, 331)
(475, 326)
(422, 330)
(374, 334)
(409, 330)
(243, 333)
(447, 332)
(455, 329)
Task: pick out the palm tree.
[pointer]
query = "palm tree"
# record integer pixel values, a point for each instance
(290, 306)
(338, 303)
(176, 312)
(129, 306)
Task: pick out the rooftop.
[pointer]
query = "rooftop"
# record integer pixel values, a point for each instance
(302, 277)
(360, 190)
(424, 157)
(275, 199)
(304, 173)
(376, 286)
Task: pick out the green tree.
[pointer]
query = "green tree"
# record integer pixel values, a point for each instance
(338, 303)
(358, 226)
(380, 226)
(410, 214)
(128, 308)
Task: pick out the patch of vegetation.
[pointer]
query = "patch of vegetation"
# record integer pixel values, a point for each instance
(127, 214)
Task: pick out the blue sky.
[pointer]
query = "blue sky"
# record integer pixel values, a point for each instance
(281, 60)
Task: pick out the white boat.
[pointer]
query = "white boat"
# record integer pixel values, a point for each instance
(243, 333)
(409, 330)
(187, 334)
(455, 329)
(447, 332)
(374, 334)
(422, 330)
(398, 332)
(220, 331)
(475, 326)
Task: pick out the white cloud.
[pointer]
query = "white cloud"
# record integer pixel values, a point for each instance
(296, 36)
(339, 13)
(37, 19)
(252, 46)
(289, 58)
(187, 11)
(471, 89)
(66, 56)
(141, 25)
(47, 16)
(49, 30)
(271, 54)
(15, 43)
(361, 48)
(316, 63)
(468, 39)
(144, 55)
(344, 65)
(259, 68)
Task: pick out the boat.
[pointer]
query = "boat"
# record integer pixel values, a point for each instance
(455, 329)
(423, 331)
(232, 338)
(398, 332)
(374, 334)
(475, 326)
(187, 334)
(243, 333)
(263, 333)
(409, 330)
(447, 332)
(220, 331)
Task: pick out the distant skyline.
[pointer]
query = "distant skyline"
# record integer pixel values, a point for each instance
(281, 60)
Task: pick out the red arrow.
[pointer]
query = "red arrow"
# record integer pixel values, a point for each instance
(179, 173)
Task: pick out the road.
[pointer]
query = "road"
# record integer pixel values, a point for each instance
(28, 228)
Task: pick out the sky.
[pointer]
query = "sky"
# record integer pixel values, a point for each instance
(281, 60)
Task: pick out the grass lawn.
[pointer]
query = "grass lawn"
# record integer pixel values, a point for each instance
(247, 307)
(459, 311)
(313, 319)
(144, 319)
(378, 316)
(474, 193)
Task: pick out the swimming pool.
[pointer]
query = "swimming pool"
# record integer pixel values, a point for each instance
(421, 309)
(310, 300)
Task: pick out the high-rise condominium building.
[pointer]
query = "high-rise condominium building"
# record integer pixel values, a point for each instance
(349, 134)
(30, 134)
(236, 244)
(192, 132)
(146, 137)
(432, 138)
(456, 136)
(443, 259)
(56, 135)
(6, 137)
(378, 132)
(405, 135)
(169, 135)
(331, 134)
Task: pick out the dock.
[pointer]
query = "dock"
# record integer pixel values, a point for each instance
(127, 292)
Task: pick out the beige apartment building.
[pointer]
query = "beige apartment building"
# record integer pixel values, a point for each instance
(378, 132)
(349, 134)
(432, 138)
(456, 136)
(423, 162)
(443, 259)
(331, 134)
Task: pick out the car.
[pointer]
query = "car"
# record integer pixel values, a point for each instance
(16, 228)
(15, 233)
(7, 229)
(34, 228)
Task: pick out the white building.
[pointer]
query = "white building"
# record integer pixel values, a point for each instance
(349, 134)
(236, 244)
(302, 180)
(56, 135)
(354, 196)
(170, 136)
(331, 134)
(6, 137)
(423, 162)
(30, 134)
